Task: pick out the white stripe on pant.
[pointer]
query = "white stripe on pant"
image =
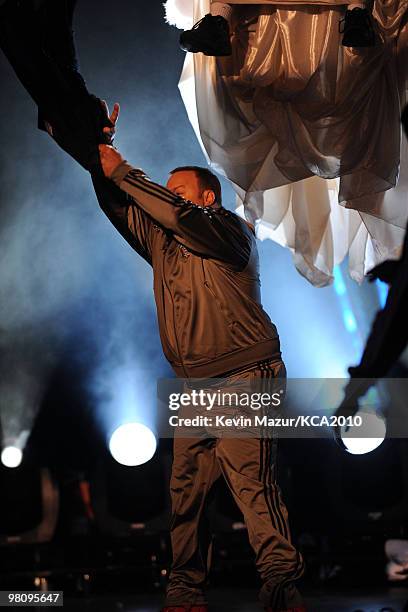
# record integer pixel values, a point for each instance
(249, 468)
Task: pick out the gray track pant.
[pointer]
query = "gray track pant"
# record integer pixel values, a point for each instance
(249, 468)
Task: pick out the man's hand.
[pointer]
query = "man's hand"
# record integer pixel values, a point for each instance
(110, 131)
(110, 159)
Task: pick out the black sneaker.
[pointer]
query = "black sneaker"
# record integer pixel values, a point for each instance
(357, 29)
(210, 35)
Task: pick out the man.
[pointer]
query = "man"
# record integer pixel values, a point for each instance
(212, 324)
(206, 286)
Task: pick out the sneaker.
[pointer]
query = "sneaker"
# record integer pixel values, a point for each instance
(210, 35)
(185, 608)
(357, 29)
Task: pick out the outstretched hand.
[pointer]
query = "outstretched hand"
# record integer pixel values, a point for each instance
(109, 156)
(113, 117)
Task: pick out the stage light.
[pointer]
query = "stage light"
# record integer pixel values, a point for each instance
(350, 322)
(338, 283)
(11, 456)
(373, 427)
(132, 444)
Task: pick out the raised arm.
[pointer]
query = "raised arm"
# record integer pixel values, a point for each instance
(132, 223)
(209, 232)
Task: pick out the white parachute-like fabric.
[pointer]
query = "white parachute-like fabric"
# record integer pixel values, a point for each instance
(306, 130)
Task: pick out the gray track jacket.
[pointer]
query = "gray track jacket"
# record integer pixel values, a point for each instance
(206, 275)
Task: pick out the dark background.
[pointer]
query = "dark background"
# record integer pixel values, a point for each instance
(80, 351)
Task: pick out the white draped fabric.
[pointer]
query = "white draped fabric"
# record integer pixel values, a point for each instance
(307, 131)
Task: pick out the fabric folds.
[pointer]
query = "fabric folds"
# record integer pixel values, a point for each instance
(300, 124)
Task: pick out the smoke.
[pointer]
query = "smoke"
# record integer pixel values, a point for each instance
(67, 278)
(65, 272)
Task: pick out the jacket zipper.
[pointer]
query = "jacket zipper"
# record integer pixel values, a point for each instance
(174, 325)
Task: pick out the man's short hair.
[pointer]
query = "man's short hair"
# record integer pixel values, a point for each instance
(207, 179)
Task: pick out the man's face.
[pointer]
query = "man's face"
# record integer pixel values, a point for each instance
(186, 184)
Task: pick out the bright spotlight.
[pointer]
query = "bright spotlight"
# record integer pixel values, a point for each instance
(11, 456)
(372, 426)
(132, 444)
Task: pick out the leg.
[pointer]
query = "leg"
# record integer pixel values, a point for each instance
(211, 35)
(194, 471)
(249, 468)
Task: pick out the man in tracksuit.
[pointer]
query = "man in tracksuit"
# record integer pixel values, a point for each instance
(212, 324)
(206, 286)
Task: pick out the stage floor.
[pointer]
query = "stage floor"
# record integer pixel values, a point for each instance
(245, 600)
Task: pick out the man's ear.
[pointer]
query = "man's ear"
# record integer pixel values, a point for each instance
(209, 197)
